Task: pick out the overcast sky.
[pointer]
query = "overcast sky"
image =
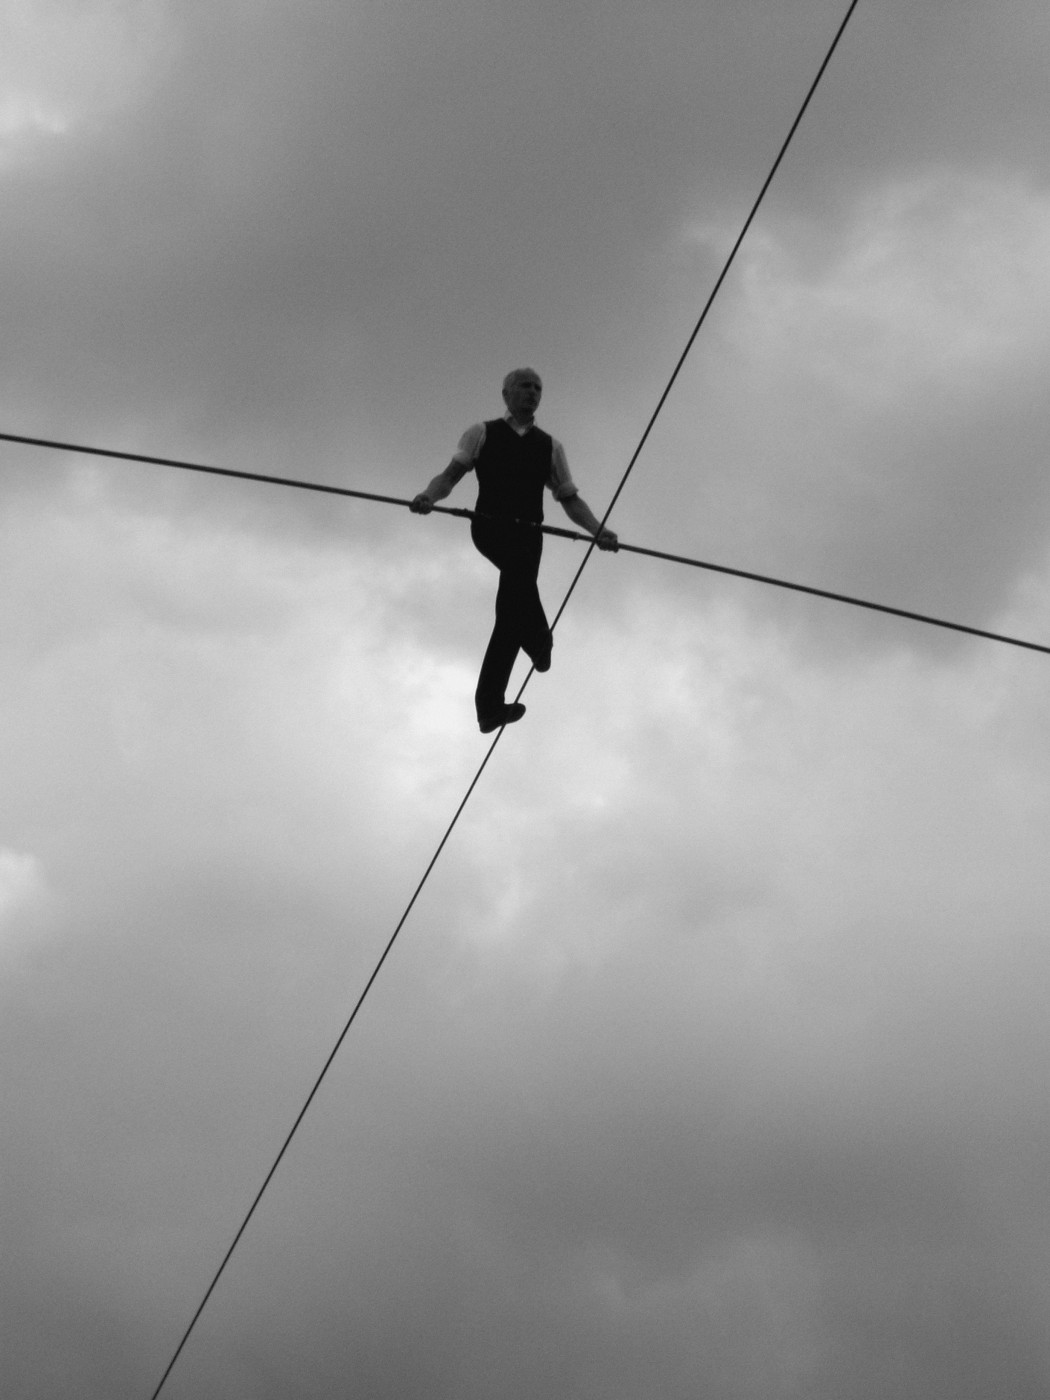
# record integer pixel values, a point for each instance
(713, 1058)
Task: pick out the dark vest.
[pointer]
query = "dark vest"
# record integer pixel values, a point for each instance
(512, 471)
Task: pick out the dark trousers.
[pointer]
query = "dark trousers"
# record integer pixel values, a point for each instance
(520, 620)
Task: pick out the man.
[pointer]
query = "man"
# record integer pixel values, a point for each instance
(514, 461)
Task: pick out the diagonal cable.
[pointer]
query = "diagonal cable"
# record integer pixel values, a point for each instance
(474, 782)
(710, 300)
(325, 1068)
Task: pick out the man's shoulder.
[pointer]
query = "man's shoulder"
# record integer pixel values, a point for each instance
(470, 444)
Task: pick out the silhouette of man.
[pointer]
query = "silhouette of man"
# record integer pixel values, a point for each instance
(514, 461)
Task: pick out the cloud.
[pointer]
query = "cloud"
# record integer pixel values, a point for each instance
(65, 65)
(863, 418)
(709, 1059)
(23, 892)
(710, 1046)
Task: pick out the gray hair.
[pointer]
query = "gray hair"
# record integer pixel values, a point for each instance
(517, 374)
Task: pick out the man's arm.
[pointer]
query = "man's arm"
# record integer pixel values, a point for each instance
(580, 513)
(439, 488)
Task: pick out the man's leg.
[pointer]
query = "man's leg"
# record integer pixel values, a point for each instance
(520, 619)
(496, 666)
(518, 602)
(523, 602)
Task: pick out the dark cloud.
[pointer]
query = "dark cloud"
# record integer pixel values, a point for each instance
(302, 217)
(609, 1114)
(709, 1060)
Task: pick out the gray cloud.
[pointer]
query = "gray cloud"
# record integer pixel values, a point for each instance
(711, 1058)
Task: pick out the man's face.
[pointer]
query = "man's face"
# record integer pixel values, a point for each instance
(522, 396)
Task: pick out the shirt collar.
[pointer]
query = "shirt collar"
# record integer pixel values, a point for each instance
(519, 430)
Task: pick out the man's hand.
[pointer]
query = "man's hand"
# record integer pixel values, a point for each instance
(580, 513)
(438, 489)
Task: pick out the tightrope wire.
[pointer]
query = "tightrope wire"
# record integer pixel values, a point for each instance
(327, 1065)
(565, 600)
(710, 300)
(491, 750)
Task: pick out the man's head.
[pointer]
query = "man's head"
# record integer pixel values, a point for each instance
(522, 389)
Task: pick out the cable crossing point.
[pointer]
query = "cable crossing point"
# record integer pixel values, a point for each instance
(465, 514)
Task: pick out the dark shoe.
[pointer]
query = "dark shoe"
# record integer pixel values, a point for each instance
(506, 714)
(542, 659)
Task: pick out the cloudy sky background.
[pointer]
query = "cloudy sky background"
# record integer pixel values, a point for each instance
(712, 1060)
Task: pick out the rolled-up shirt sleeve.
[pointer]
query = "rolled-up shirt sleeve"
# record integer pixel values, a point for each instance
(561, 483)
